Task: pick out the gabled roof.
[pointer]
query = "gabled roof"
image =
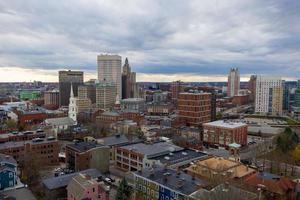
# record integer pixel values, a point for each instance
(62, 181)
(60, 121)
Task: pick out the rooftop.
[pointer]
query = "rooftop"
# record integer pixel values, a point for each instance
(180, 156)
(225, 124)
(6, 145)
(153, 149)
(84, 146)
(60, 121)
(118, 140)
(7, 158)
(180, 182)
(62, 181)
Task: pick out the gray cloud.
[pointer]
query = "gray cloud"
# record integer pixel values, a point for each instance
(163, 37)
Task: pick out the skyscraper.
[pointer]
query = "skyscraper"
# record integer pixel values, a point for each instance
(269, 95)
(129, 86)
(233, 82)
(109, 70)
(176, 88)
(65, 80)
(252, 87)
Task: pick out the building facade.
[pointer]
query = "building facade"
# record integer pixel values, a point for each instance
(86, 155)
(269, 95)
(109, 70)
(106, 93)
(83, 186)
(51, 98)
(65, 80)
(233, 82)
(8, 171)
(223, 133)
(176, 88)
(194, 108)
(129, 85)
(133, 104)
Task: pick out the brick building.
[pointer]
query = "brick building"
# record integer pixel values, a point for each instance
(223, 133)
(46, 150)
(194, 108)
(85, 155)
(21, 136)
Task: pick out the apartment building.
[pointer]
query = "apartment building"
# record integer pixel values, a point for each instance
(45, 150)
(222, 133)
(194, 108)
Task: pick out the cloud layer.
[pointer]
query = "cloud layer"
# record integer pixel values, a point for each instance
(171, 38)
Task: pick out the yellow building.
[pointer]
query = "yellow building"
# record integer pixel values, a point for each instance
(277, 98)
(219, 169)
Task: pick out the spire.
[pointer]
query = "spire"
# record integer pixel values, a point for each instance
(71, 91)
(126, 61)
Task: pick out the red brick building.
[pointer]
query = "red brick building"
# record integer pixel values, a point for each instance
(30, 117)
(21, 136)
(223, 133)
(46, 150)
(194, 108)
(240, 100)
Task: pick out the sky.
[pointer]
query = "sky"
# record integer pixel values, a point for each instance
(167, 40)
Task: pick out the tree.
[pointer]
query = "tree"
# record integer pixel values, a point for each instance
(287, 140)
(296, 154)
(11, 124)
(30, 168)
(123, 192)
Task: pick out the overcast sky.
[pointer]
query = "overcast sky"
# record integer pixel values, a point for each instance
(191, 40)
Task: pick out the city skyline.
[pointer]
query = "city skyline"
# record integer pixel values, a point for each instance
(188, 41)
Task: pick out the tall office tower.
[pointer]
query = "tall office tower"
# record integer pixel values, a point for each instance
(233, 82)
(129, 85)
(109, 70)
(297, 96)
(286, 96)
(65, 80)
(194, 108)
(88, 90)
(106, 93)
(176, 88)
(269, 95)
(252, 87)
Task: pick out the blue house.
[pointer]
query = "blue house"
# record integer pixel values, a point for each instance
(8, 171)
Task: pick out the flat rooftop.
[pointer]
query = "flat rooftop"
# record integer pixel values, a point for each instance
(225, 124)
(180, 156)
(118, 140)
(84, 146)
(153, 149)
(182, 182)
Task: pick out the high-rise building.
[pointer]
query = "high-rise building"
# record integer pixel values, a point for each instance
(129, 85)
(87, 91)
(51, 98)
(269, 95)
(194, 108)
(109, 70)
(65, 80)
(105, 95)
(233, 82)
(176, 88)
(252, 87)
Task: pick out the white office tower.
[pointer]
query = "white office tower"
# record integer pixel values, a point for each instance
(269, 95)
(72, 106)
(109, 70)
(233, 82)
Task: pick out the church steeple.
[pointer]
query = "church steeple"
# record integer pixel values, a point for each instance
(71, 91)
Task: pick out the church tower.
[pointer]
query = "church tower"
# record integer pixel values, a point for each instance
(72, 106)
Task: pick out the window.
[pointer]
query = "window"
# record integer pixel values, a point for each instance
(93, 189)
